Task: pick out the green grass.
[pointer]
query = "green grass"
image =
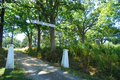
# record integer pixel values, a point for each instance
(80, 74)
(9, 74)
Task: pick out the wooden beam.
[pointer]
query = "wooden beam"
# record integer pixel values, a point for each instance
(42, 23)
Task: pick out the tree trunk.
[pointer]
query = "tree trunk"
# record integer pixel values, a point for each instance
(1, 24)
(83, 38)
(1, 34)
(39, 37)
(52, 36)
(52, 39)
(68, 42)
(59, 40)
(82, 34)
(30, 40)
(101, 41)
(35, 42)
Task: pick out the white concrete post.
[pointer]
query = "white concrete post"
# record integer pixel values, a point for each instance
(10, 57)
(65, 60)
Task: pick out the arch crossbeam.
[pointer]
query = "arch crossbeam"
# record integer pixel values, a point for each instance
(42, 23)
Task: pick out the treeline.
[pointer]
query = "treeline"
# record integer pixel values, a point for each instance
(77, 21)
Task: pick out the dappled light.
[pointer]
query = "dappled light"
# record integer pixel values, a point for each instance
(42, 72)
(91, 59)
(35, 68)
(80, 37)
(13, 74)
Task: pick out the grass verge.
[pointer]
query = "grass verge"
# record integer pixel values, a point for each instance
(9, 74)
(12, 74)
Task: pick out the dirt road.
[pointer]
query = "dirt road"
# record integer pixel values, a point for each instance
(39, 70)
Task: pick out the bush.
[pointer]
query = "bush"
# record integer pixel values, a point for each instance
(102, 60)
(46, 54)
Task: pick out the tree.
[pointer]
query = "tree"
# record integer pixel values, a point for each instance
(2, 23)
(28, 29)
(25, 42)
(25, 27)
(82, 17)
(50, 10)
(66, 33)
(39, 36)
(106, 24)
(7, 40)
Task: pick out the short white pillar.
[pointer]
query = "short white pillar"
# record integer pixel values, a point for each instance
(10, 57)
(65, 60)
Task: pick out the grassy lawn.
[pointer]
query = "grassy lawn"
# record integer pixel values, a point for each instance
(9, 74)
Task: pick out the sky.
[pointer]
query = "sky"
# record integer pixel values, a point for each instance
(20, 36)
(117, 24)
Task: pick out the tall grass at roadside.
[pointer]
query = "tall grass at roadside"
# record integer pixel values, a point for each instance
(102, 61)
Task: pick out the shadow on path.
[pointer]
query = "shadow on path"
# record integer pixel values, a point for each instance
(38, 70)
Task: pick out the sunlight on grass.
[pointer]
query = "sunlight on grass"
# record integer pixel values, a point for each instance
(78, 73)
(2, 71)
(10, 74)
(21, 49)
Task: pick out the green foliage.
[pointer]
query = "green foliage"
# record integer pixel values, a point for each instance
(25, 42)
(102, 61)
(7, 40)
(15, 74)
(105, 58)
(3, 55)
(79, 19)
(46, 53)
(78, 73)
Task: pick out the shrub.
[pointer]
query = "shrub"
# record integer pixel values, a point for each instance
(104, 58)
(46, 54)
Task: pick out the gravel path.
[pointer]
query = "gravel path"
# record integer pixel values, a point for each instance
(39, 70)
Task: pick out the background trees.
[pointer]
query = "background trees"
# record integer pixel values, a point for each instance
(85, 21)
